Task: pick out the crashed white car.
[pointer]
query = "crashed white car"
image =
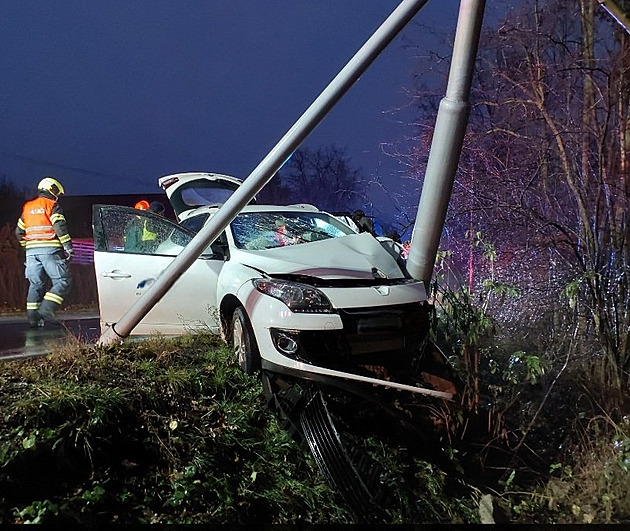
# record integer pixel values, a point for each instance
(294, 289)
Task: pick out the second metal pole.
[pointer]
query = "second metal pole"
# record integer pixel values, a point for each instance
(446, 146)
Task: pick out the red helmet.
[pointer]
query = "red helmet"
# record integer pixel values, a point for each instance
(143, 204)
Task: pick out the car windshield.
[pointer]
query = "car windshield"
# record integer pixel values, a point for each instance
(266, 230)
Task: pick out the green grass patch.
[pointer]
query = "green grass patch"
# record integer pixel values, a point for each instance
(171, 431)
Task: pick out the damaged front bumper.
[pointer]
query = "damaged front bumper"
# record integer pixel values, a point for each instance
(377, 346)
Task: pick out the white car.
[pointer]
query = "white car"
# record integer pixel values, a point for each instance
(292, 288)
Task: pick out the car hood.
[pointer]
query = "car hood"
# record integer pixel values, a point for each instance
(355, 256)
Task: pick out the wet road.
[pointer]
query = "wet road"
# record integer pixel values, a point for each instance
(18, 340)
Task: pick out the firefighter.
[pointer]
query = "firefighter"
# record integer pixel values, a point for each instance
(43, 233)
(139, 234)
(363, 222)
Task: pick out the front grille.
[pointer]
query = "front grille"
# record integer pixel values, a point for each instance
(396, 328)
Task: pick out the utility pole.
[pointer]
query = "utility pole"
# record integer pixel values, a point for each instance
(617, 13)
(446, 146)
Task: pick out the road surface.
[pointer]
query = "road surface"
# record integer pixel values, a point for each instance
(18, 340)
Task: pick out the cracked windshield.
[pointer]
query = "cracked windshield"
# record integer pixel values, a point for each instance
(266, 230)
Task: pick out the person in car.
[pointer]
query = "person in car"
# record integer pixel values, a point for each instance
(363, 223)
(140, 235)
(282, 236)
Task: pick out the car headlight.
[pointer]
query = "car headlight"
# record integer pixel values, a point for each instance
(300, 298)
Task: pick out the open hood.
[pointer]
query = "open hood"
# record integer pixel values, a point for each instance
(188, 191)
(351, 257)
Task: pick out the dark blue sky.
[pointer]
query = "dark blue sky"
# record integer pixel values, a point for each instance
(108, 95)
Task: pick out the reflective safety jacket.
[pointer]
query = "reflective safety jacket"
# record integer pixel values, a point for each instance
(147, 234)
(42, 228)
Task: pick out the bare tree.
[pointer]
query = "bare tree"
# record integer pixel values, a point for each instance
(545, 164)
(322, 177)
(11, 200)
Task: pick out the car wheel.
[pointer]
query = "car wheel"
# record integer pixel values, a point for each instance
(244, 342)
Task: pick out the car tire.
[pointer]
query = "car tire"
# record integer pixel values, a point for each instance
(244, 342)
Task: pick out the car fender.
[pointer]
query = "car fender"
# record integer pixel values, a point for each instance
(233, 277)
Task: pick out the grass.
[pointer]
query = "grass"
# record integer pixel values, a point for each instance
(595, 488)
(171, 431)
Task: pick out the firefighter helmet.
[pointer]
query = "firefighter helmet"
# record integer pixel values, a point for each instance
(51, 185)
(143, 204)
(156, 207)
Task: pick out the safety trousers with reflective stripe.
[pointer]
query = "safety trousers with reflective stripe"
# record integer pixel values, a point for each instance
(39, 269)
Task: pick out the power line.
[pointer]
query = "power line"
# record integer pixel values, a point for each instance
(72, 168)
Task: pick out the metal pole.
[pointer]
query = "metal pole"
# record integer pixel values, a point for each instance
(261, 175)
(446, 145)
(613, 9)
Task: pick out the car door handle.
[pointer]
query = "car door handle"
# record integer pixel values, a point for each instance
(115, 274)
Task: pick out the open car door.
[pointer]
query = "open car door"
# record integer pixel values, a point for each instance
(131, 249)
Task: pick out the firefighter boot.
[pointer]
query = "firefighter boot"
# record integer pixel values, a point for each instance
(48, 310)
(34, 319)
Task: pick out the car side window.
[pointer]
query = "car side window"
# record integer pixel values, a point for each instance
(128, 230)
(219, 248)
(195, 223)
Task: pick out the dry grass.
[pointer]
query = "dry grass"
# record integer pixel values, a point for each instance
(597, 490)
(591, 488)
(172, 431)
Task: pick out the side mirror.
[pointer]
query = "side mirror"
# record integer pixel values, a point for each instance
(216, 251)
